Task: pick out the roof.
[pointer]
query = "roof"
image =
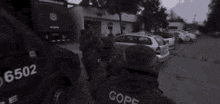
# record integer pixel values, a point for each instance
(143, 34)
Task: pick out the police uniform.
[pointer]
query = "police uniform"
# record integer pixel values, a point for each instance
(107, 52)
(136, 84)
(90, 45)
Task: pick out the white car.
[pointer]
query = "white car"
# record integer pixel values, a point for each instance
(192, 36)
(168, 37)
(155, 42)
(182, 36)
(196, 32)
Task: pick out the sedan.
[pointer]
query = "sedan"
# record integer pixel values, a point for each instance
(155, 42)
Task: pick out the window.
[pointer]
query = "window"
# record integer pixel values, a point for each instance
(176, 33)
(127, 39)
(9, 40)
(172, 27)
(123, 26)
(120, 39)
(110, 26)
(160, 41)
(131, 39)
(145, 40)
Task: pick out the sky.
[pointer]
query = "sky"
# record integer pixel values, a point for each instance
(187, 9)
(183, 8)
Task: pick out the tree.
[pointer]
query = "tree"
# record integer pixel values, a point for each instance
(173, 17)
(160, 19)
(114, 7)
(137, 26)
(213, 21)
(154, 15)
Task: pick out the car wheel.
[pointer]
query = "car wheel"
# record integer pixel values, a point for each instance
(191, 40)
(57, 95)
(180, 40)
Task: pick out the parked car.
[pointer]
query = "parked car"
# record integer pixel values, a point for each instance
(196, 32)
(182, 36)
(192, 36)
(216, 34)
(155, 42)
(168, 37)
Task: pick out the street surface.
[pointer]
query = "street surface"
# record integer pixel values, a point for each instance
(190, 76)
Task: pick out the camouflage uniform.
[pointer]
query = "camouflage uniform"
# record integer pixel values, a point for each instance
(136, 84)
(90, 45)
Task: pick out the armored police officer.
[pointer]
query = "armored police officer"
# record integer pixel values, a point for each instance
(90, 45)
(107, 52)
(136, 84)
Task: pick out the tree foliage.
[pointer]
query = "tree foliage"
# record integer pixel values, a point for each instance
(213, 20)
(154, 15)
(137, 26)
(173, 17)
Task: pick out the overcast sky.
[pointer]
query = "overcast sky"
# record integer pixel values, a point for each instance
(188, 8)
(184, 8)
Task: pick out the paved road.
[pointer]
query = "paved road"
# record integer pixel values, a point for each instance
(192, 77)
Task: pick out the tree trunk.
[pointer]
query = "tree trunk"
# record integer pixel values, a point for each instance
(120, 20)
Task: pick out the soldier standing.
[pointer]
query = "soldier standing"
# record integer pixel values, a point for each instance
(137, 83)
(90, 45)
(107, 52)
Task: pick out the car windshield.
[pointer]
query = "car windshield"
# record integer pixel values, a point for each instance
(160, 41)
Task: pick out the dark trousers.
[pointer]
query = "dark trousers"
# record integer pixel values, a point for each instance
(91, 64)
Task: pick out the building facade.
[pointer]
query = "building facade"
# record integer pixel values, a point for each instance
(103, 22)
(175, 26)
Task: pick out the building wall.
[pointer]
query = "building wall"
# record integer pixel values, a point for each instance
(79, 14)
(179, 25)
(115, 27)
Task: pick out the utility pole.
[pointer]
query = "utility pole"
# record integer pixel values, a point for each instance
(194, 19)
(194, 22)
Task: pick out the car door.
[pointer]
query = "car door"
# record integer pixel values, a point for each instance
(19, 66)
